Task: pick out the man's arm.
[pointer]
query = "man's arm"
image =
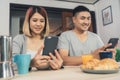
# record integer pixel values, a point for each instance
(70, 60)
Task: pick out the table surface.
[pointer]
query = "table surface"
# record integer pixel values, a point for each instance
(68, 73)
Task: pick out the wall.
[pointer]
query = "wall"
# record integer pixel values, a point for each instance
(105, 32)
(110, 30)
(4, 17)
(4, 8)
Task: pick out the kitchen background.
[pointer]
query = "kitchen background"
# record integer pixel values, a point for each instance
(104, 31)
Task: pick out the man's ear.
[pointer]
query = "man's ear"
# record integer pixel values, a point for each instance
(73, 19)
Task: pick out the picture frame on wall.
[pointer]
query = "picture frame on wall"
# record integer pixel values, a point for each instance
(107, 15)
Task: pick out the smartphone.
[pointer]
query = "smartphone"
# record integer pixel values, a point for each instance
(50, 44)
(114, 42)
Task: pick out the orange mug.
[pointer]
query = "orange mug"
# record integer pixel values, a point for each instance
(86, 58)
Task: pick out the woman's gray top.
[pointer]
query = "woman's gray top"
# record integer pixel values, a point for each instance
(19, 44)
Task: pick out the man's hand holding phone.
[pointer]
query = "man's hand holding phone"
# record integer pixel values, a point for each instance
(112, 46)
(114, 42)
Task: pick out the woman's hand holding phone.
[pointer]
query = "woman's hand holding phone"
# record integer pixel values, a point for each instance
(56, 61)
(40, 60)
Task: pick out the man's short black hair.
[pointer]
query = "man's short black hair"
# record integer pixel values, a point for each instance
(79, 9)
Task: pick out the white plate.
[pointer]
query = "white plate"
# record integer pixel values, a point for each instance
(100, 71)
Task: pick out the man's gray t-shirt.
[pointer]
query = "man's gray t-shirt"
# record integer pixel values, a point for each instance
(69, 40)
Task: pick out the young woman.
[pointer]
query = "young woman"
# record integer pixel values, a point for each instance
(35, 28)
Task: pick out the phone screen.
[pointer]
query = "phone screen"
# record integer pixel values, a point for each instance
(50, 44)
(114, 42)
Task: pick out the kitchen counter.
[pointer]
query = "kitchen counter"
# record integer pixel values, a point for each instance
(68, 73)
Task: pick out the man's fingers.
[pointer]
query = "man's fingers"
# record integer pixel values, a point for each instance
(105, 46)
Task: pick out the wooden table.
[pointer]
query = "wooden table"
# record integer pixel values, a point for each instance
(68, 73)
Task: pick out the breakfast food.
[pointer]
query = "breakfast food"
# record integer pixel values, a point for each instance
(104, 64)
(90, 64)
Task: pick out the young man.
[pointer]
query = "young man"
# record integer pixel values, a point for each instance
(74, 43)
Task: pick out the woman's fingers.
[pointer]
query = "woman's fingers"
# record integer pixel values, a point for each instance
(37, 56)
(39, 63)
(56, 61)
(58, 55)
(40, 49)
(52, 56)
(44, 57)
(43, 61)
(53, 65)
